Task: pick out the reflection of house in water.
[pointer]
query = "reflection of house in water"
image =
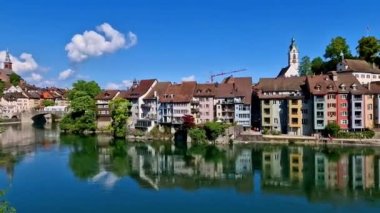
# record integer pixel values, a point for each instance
(362, 169)
(296, 164)
(321, 169)
(210, 169)
(271, 165)
(377, 171)
(243, 162)
(157, 170)
(338, 173)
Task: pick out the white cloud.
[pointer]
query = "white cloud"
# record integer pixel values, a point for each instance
(125, 84)
(113, 86)
(35, 77)
(66, 74)
(188, 78)
(92, 43)
(24, 63)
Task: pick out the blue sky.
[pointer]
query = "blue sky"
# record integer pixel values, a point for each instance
(173, 39)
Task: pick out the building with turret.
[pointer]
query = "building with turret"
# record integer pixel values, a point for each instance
(293, 62)
(7, 68)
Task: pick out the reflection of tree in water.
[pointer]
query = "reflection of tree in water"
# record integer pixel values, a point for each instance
(85, 158)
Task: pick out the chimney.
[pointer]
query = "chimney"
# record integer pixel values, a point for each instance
(155, 94)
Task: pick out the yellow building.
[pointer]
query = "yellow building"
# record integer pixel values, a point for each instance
(295, 116)
(296, 164)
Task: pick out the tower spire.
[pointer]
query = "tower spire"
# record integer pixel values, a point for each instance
(7, 61)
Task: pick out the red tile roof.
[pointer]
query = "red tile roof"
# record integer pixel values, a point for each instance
(179, 93)
(205, 90)
(344, 83)
(160, 88)
(107, 94)
(140, 89)
(356, 65)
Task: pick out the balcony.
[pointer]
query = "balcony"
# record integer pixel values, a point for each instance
(357, 98)
(319, 99)
(194, 102)
(228, 110)
(194, 110)
(227, 102)
(294, 102)
(146, 105)
(177, 121)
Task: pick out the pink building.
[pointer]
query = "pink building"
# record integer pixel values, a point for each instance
(203, 103)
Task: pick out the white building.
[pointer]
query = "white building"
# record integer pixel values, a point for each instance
(293, 62)
(362, 70)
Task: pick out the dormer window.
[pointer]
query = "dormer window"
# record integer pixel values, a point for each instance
(342, 87)
(330, 87)
(208, 91)
(199, 91)
(354, 86)
(317, 87)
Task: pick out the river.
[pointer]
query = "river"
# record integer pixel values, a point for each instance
(43, 171)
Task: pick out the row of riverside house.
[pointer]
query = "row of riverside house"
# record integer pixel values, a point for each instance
(164, 103)
(25, 97)
(287, 104)
(300, 105)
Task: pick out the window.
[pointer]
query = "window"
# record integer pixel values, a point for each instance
(275, 121)
(331, 96)
(343, 113)
(331, 114)
(304, 121)
(368, 76)
(343, 96)
(331, 105)
(344, 121)
(362, 76)
(369, 106)
(374, 76)
(343, 105)
(304, 111)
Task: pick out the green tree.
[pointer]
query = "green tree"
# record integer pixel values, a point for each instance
(305, 66)
(91, 88)
(82, 116)
(317, 65)
(331, 129)
(119, 113)
(48, 102)
(197, 135)
(213, 130)
(368, 48)
(2, 87)
(337, 46)
(5, 207)
(14, 79)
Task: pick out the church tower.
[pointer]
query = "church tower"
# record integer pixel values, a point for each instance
(7, 62)
(293, 62)
(293, 55)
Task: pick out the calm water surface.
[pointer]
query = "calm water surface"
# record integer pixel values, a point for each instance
(47, 172)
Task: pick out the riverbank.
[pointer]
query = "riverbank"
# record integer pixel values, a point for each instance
(308, 140)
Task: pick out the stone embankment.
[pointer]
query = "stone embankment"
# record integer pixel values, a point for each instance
(307, 140)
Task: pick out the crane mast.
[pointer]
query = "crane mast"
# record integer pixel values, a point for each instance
(224, 73)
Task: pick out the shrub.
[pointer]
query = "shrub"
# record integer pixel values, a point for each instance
(197, 135)
(331, 129)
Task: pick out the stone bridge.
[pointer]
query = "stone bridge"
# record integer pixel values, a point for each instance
(41, 115)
